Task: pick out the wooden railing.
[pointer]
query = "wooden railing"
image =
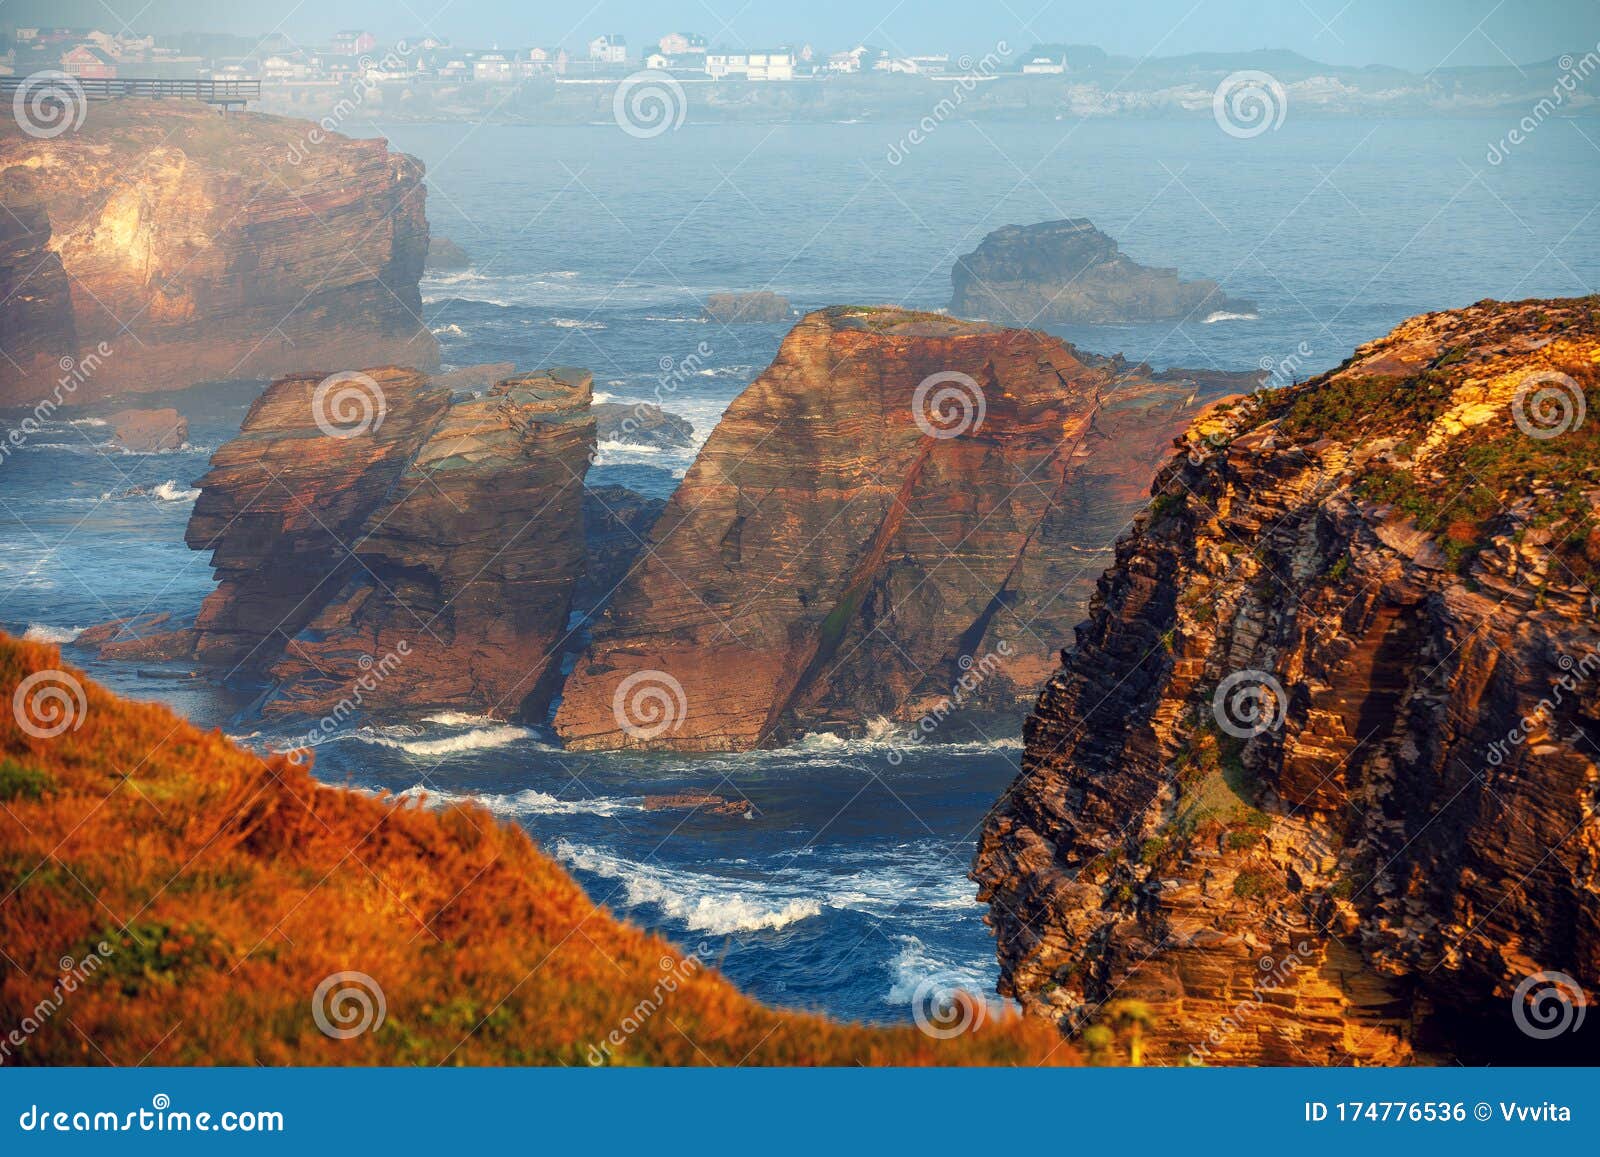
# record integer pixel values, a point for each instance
(223, 92)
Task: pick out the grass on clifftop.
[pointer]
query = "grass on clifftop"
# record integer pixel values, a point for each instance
(226, 889)
(1460, 460)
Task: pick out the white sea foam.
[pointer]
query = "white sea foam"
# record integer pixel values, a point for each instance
(529, 802)
(45, 633)
(576, 323)
(914, 966)
(459, 719)
(1226, 315)
(451, 330)
(170, 491)
(601, 397)
(478, 739)
(717, 905)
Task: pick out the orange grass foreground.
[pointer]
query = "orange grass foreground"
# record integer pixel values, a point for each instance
(167, 897)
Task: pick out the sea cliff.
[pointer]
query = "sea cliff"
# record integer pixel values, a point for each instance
(194, 247)
(1317, 782)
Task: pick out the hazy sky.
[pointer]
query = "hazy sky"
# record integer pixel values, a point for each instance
(1417, 34)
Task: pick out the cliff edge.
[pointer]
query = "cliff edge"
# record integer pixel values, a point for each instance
(160, 245)
(1318, 782)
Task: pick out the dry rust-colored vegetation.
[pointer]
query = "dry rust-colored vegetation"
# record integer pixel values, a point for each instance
(228, 887)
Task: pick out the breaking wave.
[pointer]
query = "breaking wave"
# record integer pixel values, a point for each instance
(478, 739)
(527, 803)
(45, 633)
(1227, 315)
(170, 491)
(720, 906)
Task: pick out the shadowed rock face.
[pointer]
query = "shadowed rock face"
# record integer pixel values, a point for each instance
(1399, 580)
(228, 247)
(828, 559)
(1069, 272)
(430, 559)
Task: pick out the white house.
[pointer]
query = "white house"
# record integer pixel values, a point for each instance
(757, 64)
(609, 48)
(1045, 66)
(491, 67)
(681, 44)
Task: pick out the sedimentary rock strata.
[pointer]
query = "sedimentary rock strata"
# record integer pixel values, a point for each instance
(1318, 782)
(201, 248)
(896, 497)
(1070, 272)
(437, 545)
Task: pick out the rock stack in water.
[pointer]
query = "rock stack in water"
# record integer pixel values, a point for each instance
(366, 530)
(900, 504)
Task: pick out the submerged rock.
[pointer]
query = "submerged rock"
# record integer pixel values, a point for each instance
(748, 308)
(642, 423)
(445, 255)
(148, 431)
(1317, 784)
(1068, 272)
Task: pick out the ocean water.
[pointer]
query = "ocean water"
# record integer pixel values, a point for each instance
(846, 888)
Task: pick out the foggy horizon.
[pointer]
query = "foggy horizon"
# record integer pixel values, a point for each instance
(1422, 37)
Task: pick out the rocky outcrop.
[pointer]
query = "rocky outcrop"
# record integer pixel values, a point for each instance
(1318, 782)
(148, 431)
(423, 551)
(643, 424)
(761, 307)
(1069, 272)
(200, 248)
(444, 255)
(898, 500)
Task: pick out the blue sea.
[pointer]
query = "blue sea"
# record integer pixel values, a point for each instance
(846, 888)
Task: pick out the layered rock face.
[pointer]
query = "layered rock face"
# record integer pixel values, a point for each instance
(201, 248)
(897, 499)
(1069, 272)
(435, 544)
(1318, 782)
